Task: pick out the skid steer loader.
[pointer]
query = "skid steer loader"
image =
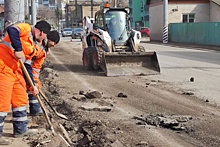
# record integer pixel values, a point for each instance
(111, 44)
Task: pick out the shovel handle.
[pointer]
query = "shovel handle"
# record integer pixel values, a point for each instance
(54, 110)
(26, 74)
(37, 96)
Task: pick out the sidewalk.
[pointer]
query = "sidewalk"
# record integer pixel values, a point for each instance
(185, 45)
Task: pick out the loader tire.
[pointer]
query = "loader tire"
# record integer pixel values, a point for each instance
(97, 57)
(87, 59)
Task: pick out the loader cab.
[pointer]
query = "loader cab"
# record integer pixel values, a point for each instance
(116, 22)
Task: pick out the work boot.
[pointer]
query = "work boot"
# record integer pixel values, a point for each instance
(40, 113)
(27, 133)
(37, 114)
(4, 141)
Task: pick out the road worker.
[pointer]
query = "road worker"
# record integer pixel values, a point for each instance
(17, 45)
(52, 39)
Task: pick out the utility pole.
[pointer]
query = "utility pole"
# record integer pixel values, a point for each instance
(33, 12)
(76, 18)
(91, 8)
(14, 11)
(67, 15)
(115, 5)
(165, 23)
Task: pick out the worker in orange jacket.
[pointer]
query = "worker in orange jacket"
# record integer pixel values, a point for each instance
(37, 61)
(17, 45)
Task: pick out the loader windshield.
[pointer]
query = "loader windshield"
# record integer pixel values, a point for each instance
(117, 25)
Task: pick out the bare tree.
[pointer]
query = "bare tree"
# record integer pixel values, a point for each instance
(44, 12)
(119, 3)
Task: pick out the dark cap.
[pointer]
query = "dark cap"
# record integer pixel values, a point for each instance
(43, 26)
(54, 36)
(95, 26)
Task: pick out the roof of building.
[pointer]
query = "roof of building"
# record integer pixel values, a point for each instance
(216, 1)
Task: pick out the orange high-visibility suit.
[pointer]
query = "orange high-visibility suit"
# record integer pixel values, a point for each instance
(12, 83)
(37, 62)
(41, 52)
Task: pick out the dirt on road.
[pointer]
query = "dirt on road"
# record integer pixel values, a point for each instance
(128, 111)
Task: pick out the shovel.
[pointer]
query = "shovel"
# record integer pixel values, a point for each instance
(37, 96)
(54, 110)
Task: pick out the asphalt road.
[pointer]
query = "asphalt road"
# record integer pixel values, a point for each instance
(146, 95)
(178, 64)
(130, 120)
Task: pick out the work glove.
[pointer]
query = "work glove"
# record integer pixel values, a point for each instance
(18, 54)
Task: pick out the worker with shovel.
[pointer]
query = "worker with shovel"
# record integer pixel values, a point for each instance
(17, 45)
(37, 61)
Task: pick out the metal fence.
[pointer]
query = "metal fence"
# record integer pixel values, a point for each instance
(205, 33)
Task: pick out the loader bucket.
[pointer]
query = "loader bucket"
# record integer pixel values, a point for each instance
(121, 64)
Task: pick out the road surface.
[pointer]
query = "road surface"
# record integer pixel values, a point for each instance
(144, 111)
(152, 103)
(179, 64)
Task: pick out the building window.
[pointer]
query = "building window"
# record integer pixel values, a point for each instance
(146, 18)
(188, 18)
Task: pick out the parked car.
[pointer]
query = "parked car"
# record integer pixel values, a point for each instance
(67, 32)
(145, 31)
(76, 33)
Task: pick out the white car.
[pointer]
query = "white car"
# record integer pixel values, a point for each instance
(67, 32)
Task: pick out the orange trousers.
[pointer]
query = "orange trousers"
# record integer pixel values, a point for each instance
(12, 88)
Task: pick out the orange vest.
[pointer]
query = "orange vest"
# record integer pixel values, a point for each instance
(7, 51)
(37, 62)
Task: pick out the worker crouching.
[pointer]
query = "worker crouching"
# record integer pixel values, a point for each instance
(37, 61)
(17, 45)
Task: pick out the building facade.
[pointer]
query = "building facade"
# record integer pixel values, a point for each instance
(181, 11)
(52, 4)
(75, 15)
(139, 13)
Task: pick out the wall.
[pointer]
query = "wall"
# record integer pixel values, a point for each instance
(201, 12)
(156, 21)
